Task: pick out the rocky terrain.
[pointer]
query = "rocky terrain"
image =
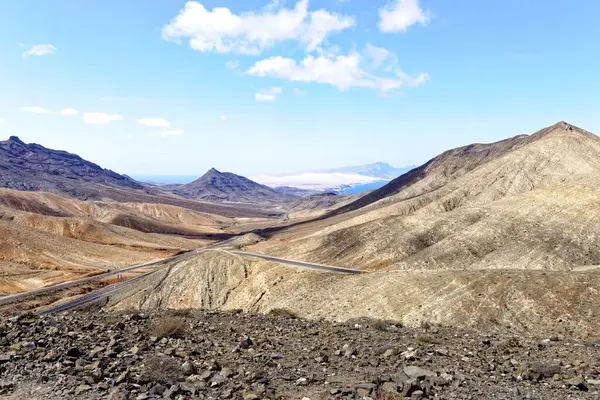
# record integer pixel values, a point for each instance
(234, 355)
(519, 302)
(33, 167)
(219, 186)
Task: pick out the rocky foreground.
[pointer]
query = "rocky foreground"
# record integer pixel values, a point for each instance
(234, 355)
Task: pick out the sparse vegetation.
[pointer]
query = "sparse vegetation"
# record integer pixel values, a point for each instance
(163, 370)
(168, 326)
(378, 324)
(282, 312)
(428, 339)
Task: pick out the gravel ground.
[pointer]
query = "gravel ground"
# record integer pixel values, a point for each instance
(235, 355)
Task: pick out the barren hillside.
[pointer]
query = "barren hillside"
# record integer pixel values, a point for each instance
(521, 302)
(219, 186)
(529, 207)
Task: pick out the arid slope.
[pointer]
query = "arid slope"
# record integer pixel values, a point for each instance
(532, 207)
(515, 301)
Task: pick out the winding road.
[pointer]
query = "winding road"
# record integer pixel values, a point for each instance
(65, 285)
(301, 264)
(101, 293)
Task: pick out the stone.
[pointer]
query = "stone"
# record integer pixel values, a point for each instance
(97, 375)
(578, 383)
(389, 387)
(302, 382)
(410, 355)
(122, 377)
(349, 351)
(157, 390)
(82, 388)
(250, 395)
(365, 389)
(542, 370)
(217, 380)
(188, 368)
(51, 355)
(118, 394)
(418, 372)
(595, 382)
(417, 395)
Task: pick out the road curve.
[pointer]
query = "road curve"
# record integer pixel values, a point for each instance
(65, 285)
(98, 294)
(301, 264)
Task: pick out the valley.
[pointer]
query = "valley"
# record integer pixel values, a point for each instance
(497, 239)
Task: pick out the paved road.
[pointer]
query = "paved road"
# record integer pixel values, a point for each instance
(98, 294)
(78, 282)
(301, 264)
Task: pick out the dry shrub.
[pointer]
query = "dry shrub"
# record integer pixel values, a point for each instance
(168, 327)
(282, 312)
(428, 339)
(179, 312)
(378, 324)
(163, 370)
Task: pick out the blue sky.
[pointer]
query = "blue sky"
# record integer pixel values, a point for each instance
(158, 87)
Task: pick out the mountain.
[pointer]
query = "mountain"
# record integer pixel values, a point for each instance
(524, 202)
(219, 186)
(376, 170)
(32, 167)
(486, 236)
(449, 166)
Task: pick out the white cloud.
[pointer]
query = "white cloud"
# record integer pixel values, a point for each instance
(173, 132)
(314, 180)
(268, 94)
(222, 31)
(223, 117)
(343, 72)
(299, 92)
(40, 50)
(377, 54)
(100, 118)
(2, 120)
(232, 65)
(35, 110)
(399, 15)
(67, 112)
(154, 122)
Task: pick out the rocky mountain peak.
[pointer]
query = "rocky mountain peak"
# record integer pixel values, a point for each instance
(16, 140)
(33, 167)
(215, 185)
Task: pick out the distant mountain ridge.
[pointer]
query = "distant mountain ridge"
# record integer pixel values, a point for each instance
(32, 167)
(335, 179)
(380, 170)
(219, 186)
